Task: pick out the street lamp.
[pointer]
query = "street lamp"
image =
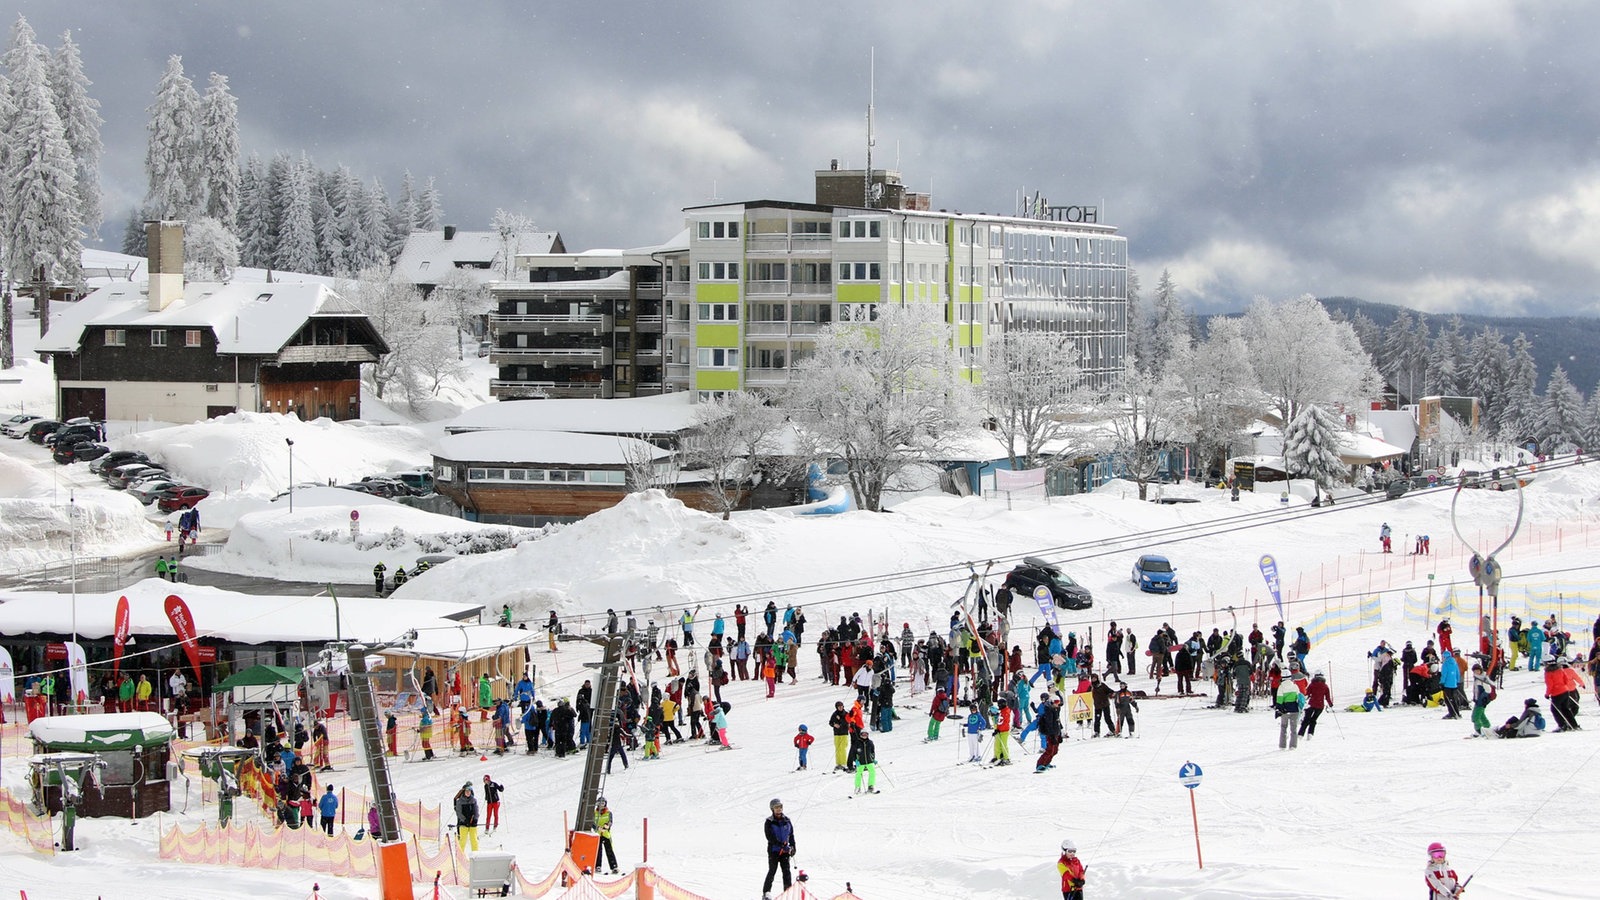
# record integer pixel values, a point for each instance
(290, 442)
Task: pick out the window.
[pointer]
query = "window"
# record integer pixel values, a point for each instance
(858, 312)
(860, 271)
(719, 271)
(116, 337)
(772, 272)
(717, 358)
(191, 337)
(860, 229)
(444, 473)
(710, 396)
(158, 337)
(813, 228)
(476, 474)
(718, 312)
(719, 230)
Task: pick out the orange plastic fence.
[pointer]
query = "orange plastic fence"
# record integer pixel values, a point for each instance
(36, 830)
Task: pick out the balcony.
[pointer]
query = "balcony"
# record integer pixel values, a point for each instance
(678, 326)
(766, 329)
(765, 244)
(766, 288)
(551, 324)
(754, 377)
(648, 353)
(677, 370)
(677, 289)
(327, 353)
(551, 356)
(516, 390)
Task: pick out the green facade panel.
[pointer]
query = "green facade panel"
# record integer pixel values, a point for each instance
(716, 293)
(860, 293)
(716, 335)
(716, 380)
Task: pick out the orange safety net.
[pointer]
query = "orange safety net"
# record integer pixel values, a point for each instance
(305, 849)
(36, 830)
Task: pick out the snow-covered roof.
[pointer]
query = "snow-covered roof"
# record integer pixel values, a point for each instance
(678, 243)
(109, 731)
(658, 414)
(427, 257)
(227, 615)
(543, 447)
(616, 281)
(1357, 449)
(246, 318)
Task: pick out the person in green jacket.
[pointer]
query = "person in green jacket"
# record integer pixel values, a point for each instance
(602, 824)
(125, 694)
(1287, 708)
(485, 695)
(161, 568)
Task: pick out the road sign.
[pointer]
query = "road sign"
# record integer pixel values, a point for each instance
(1189, 775)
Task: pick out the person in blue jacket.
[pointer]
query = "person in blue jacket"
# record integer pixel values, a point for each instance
(1450, 682)
(328, 807)
(975, 728)
(1535, 647)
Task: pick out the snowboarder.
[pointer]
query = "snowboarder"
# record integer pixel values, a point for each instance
(780, 847)
(1440, 878)
(1072, 871)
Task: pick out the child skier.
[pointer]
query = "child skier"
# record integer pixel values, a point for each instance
(1072, 872)
(719, 721)
(802, 743)
(1440, 878)
(936, 714)
(975, 729)
(1483, 693)
(867, 763)
(1125, 709)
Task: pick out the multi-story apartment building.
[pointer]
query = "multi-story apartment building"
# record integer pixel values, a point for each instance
(747, 287)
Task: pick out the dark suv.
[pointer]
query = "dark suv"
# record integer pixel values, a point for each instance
(1033, 572)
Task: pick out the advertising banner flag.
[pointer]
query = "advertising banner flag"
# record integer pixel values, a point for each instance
(78, 672)
(124, 621)
(1269, 571)
(1047, 606)
(8, 678)
(183, 627)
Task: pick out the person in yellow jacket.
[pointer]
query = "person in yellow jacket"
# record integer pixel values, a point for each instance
(141, 693)
(602, 824)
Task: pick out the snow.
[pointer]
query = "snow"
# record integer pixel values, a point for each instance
(75, 729)
(1346, 815)
(544, 447)
(659, 414)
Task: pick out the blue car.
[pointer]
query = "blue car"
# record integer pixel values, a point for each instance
(1155, 574)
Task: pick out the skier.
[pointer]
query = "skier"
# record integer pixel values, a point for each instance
(1440, 878)
(1288, 700)
(1049, 730)
(780, 847)
(602, 824)
(974, 728)
(1072, 871)
(1483, 693)
(937, 713)
(491, 804)
(1242, 671)
(719, 722)
(802, 743)
(840, 723)
(425, 731)
(1535, 648)
(466, 805)
(867, 763)
(1002, 733)
(1385, 538)
(1318, 698)
(1125, 709)
(377, 577)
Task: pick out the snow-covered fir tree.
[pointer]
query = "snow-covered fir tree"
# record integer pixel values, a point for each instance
(370, 241)
(429, 212)
(1519, 418)
(1562, 416)
(80, 123)
(1166, 329)
(210, 250)
(255, 215)
(219, 151)
(134, 239)
(1311, 448)
(330, 243)
(1448, 365)
(172, 157)
(403, 215)
(296, 249)
(42, 224)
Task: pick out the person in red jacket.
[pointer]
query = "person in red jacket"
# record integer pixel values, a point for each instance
(1002, 733)
(1318, 698)
(1072, 872)
(937, 713)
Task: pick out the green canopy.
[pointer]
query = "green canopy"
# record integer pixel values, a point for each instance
(101, 731)
(259, 676)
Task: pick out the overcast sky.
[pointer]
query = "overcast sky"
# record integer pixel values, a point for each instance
(1438, 155)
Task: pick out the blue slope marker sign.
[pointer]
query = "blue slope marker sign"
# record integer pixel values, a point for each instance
(1189, 775)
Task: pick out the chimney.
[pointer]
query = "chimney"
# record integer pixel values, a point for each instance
(164, 240)
(449, 232)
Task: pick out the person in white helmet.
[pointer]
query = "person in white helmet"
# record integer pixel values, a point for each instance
(1072, 870)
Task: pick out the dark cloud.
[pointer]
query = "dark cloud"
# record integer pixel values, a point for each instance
(1442, 156)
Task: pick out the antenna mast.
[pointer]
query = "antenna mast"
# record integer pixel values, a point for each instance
(872, 76)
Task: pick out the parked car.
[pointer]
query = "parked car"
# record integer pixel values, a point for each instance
(384, 487)
(124, 476)
(182, 498)
(1155, 574)
(118, 458)
(42, 427)
(420, 482)
(75, 449)
(150, 490)
(1396, 489)
(1033, 572)
(17, 424)
(87, 430)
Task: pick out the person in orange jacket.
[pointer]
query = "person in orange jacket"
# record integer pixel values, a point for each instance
(1562, 685)
(1072, 871)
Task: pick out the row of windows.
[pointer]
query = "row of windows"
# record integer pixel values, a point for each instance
(715, 230)
(717, 312)
(717, 358)
(1044, 247)
(803, 273)
(860, 271)
(718, 271)
(118, 337)
(566, 476)
(860, 229)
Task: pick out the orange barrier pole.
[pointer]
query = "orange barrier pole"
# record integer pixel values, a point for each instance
(394, 871)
